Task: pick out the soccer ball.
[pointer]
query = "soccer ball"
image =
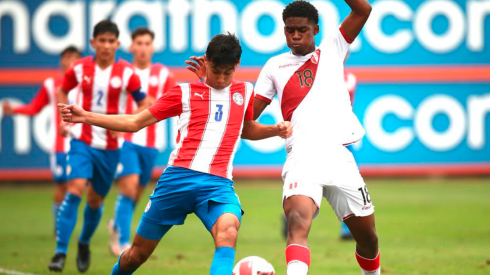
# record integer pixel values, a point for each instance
(253, 265)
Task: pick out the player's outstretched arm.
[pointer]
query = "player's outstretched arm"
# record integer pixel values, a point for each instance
(254, 131)
(354, 22)
(119, 123)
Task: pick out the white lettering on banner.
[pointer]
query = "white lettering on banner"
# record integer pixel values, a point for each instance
(200, 13)
(454, 34)
(373, 121)
(478, 10)
(43, 134)
(20, 19)
(478, 109)
(250, 33)
(449, 138)
(22, 131)
(73, 12)
(396, 42)
(478, 106)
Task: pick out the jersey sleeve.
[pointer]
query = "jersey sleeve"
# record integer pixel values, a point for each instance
(169, 105)
(69, 80)
(37, 104)
(337, 42)
(264, 87)
(249, 113)
(169, 83)
(134, 87)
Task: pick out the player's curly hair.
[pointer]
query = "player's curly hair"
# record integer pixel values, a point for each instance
(300, 8)
(224, 51)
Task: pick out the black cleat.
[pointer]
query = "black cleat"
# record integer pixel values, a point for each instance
(83, 257)
(57, 262)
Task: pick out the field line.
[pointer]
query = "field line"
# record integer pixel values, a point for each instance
(13, 272)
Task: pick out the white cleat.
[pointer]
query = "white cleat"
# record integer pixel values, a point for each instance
(113, 239)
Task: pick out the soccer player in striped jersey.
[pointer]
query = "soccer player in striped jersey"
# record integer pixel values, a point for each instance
(105, 85)
(212, 116)
(47, 96)
(140, 149)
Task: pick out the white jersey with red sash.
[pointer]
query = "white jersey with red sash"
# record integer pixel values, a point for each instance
(102, 91)
(155, 81)
(351, 84)
(313, 95)
(210, 124)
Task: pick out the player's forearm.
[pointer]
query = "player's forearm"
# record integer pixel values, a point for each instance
(360, 7)
(61, 96)
(118, 123)
(257, 131)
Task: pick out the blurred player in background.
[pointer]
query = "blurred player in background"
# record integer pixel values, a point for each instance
(140, 149)
(212, 115)
(47, 95)
(105, 84)
(318, 164)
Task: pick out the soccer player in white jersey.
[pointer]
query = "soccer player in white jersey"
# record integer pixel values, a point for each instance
(309, 83)
(140, 149)
(59, 148)
(212, 116)
(104, 84)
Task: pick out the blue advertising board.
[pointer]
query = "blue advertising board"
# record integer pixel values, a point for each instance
(428, 107)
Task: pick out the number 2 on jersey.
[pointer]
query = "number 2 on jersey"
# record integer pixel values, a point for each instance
(100, 94)
(219, 114)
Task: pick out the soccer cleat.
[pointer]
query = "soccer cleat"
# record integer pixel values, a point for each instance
(83, 257)
(57, 262)
(113, 239)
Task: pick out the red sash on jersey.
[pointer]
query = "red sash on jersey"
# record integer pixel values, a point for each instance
(299, 85)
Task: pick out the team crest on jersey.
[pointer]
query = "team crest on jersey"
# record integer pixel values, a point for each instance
(116, 82)
(153, 81)
(238, 98)
(314, 57)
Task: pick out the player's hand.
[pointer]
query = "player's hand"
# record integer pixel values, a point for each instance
(285, 129)
(197, 67)
(63, 129)
(72, 113)
(7, 108)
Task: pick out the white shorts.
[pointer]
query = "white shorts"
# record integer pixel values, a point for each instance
(335, 177)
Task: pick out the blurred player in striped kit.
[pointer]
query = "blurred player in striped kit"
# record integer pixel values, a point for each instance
(47, 96)
(140, 149)
(105, 85)
(213, 114)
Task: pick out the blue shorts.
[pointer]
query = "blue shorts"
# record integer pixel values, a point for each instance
(58, 167)
(182, 191)
(138, 160)
(95, 165)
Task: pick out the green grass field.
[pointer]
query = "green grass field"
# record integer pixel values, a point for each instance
(431, 226)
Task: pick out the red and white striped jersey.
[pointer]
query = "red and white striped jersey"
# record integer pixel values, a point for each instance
(155, 81)
(47, 96)
(102, 91)
(210, 124)
(313, 95)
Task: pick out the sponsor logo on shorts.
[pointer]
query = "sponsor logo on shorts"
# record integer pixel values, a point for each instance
(148, 206)
(68, 169)
(366, 207)
(293, 185)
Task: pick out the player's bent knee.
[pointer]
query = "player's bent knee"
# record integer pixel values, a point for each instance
(136, 257)
(297, 221)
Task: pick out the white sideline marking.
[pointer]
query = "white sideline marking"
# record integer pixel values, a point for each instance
(13, 272)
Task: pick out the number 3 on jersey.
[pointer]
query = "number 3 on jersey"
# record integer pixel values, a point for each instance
(219, 114)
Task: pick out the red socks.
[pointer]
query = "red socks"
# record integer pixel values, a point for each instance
(369, 266)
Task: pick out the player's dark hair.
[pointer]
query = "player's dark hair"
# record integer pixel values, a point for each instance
(224, 51)
(142, 31)
(106, 26)
(70, 49)
(300, 8)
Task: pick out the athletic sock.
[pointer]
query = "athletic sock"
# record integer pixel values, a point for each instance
(123, 216)
(65, 222)
(223, 260)
(91, 218)
(117, 269)
(297, 259)
(369, 266)
(56, 210)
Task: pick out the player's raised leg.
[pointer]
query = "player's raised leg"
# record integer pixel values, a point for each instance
(367, 252)
(299, 210)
